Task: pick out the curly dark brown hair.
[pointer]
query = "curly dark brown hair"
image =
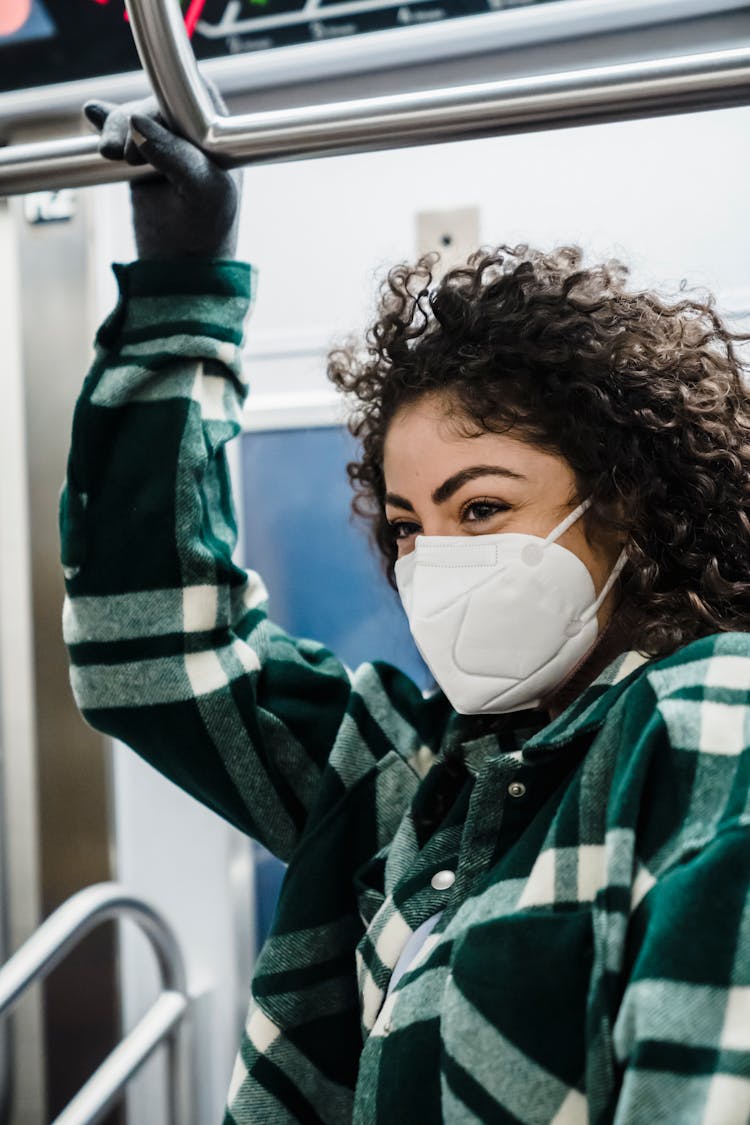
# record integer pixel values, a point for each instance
(644, 398)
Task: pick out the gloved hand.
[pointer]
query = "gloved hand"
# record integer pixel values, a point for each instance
(192, 208)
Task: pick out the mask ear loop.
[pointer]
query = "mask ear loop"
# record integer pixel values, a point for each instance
(616, 570)
(561, 528)
(533, 553)
(576, 626)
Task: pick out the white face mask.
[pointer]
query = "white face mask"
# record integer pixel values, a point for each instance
(500, 620)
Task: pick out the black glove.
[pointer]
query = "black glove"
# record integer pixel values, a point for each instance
(191, 209)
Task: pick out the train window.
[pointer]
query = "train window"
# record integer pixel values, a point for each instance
(332, 590)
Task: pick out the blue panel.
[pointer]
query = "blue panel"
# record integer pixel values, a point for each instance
(323, 577)
(269, 873)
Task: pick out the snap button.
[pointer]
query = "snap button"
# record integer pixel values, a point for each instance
(516, 789)
(443, 880)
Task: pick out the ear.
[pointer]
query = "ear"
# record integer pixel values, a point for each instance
(607, 523)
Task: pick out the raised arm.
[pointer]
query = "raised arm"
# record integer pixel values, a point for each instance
(170, 646)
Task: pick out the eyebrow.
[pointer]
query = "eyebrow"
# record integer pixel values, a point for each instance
(450, 486)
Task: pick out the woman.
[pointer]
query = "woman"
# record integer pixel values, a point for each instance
(523, 898)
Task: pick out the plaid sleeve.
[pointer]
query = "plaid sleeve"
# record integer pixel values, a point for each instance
(683, 1029)
(170, 647)
(683, 1032)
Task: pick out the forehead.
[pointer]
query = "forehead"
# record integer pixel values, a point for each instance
(426, 443)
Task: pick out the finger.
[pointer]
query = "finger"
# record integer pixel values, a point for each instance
(114, 134)
(149, 109)
(183, 164)
(132, 151)
(97, 113)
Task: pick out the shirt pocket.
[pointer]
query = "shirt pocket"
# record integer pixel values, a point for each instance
(514, 1013)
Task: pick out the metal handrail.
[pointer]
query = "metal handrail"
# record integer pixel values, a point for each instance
(408, 45)
(708, 80)
(53, 941)
(573, 97)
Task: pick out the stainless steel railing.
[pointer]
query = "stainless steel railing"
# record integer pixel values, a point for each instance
(697, 81)
(504, 30)
(575, 97)
(161, 1024)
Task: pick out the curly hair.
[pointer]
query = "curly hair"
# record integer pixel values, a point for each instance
(642, 396)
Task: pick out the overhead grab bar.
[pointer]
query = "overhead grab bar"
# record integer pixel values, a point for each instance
(406, 45)
(512, 105)
(53, 941)
(703, 81)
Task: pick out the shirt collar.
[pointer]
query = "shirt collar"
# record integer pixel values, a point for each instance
(591, 707)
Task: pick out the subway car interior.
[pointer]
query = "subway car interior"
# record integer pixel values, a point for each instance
(369, 132)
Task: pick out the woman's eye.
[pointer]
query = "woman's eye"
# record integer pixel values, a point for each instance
(480, 510)
(404, 530)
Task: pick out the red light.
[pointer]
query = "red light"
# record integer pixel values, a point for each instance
(193, 14)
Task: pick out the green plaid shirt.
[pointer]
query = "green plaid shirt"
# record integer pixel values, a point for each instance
(592, 961)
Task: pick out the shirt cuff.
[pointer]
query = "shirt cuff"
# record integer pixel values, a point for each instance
(206, 295)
